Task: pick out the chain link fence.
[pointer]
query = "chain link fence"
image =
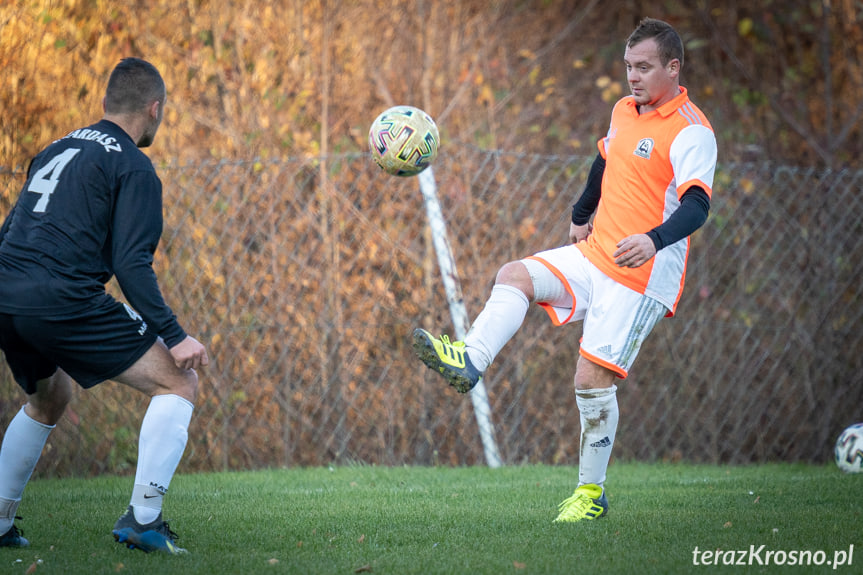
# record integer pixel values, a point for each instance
(305, 279)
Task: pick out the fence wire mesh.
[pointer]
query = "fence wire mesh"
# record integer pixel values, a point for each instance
(305, 278)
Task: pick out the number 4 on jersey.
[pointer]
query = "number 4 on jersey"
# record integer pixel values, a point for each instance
(46, 179)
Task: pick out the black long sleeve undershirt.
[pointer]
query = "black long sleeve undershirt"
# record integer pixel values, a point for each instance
(688, 217)
(586, 204)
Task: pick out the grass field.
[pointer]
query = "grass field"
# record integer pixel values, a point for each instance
(471, 520)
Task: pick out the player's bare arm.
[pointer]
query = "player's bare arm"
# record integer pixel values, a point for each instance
(634, 251)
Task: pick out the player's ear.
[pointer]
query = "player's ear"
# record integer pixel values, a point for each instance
(153, 109)
(673, 67)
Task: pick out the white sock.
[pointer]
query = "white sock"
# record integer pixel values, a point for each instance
(22, 446)
(162, 441)
(598, 413)
(498, 321)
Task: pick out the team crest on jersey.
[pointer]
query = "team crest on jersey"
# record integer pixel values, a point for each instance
(644, 148)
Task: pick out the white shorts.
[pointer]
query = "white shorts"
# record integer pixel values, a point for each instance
(616, 319)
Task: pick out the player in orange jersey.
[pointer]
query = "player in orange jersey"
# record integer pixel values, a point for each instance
(649, 188)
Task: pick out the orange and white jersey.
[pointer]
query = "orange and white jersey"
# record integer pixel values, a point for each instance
(651, 160)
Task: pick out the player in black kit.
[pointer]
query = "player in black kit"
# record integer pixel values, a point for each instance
(91, 208)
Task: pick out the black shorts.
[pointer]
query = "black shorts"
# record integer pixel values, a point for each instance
(93, 345)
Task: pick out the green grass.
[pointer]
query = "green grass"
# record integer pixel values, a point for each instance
(469, 520)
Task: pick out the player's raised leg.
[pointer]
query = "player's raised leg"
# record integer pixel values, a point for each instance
(462, 363)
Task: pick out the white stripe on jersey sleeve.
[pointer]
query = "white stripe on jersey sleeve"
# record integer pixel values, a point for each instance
(693, 156)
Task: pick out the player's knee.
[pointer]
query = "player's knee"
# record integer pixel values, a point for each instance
(49, 403)
(186, 385)
(590, 375)
(515, 274)
(47, 412)
(181, 382)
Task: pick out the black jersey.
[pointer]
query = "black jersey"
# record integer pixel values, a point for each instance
(91, 208)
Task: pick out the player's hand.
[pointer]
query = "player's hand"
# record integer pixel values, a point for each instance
(189, 354)
(634, 251)
(579, 233)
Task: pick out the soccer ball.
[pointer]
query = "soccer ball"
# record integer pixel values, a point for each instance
(849, 449)
(404, 140)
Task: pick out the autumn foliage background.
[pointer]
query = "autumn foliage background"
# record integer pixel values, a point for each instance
(782, 80)
(263, 151)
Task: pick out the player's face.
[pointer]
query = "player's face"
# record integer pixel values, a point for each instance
(651, 83)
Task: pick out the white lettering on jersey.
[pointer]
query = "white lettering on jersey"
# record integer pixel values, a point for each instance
(46, 179)
(108, 142)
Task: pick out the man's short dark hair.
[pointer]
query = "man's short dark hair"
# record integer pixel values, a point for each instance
(133, 85)
(669, 43)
